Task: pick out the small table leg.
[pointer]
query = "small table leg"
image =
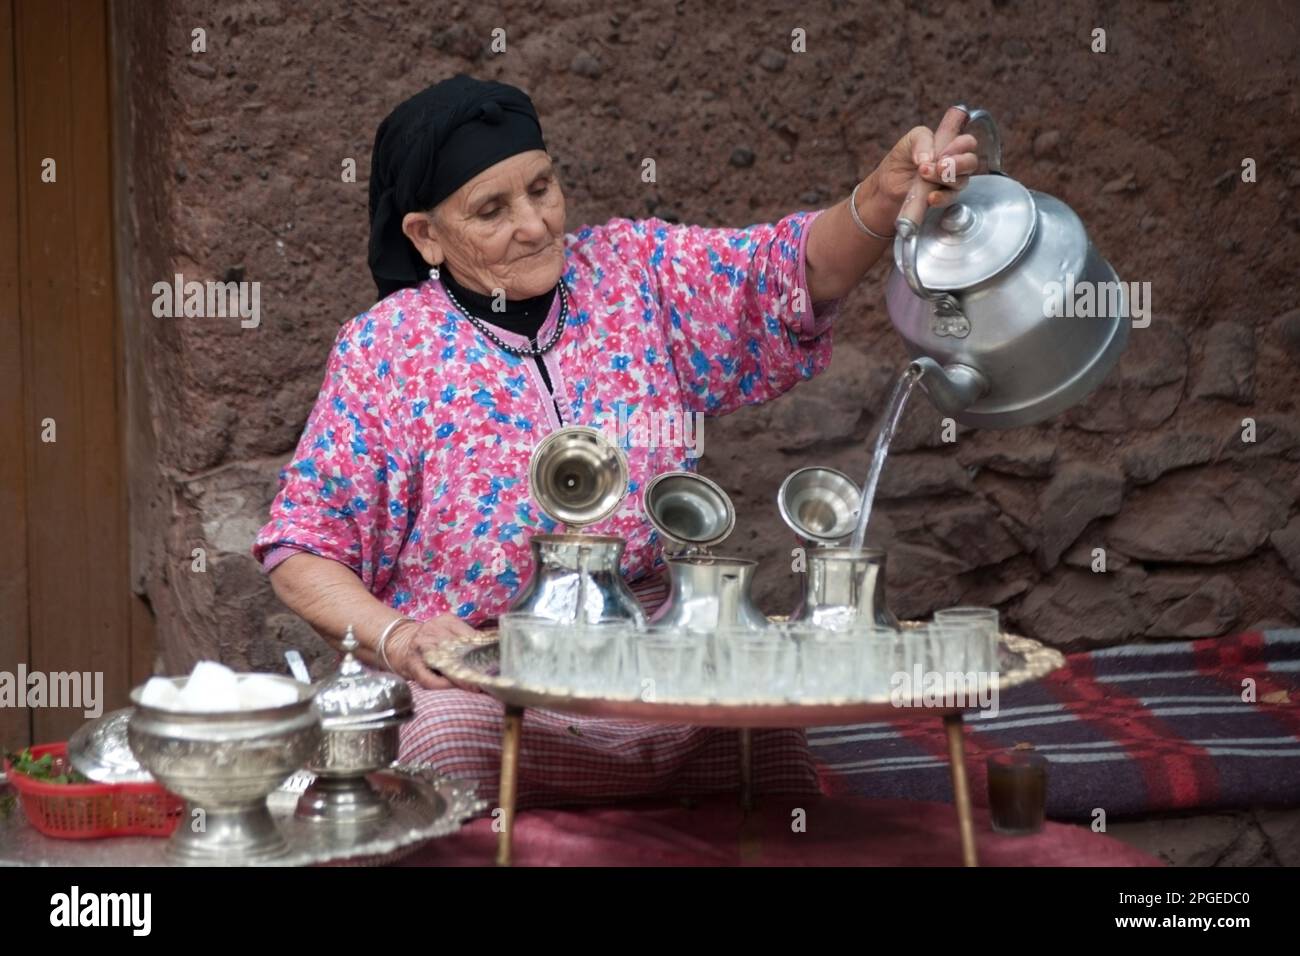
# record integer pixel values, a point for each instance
(746, 769)
(961, 788)
(511, 733)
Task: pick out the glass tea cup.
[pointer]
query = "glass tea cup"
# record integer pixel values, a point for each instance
(830, 662)
(670, 663)
(598, 658)
(985, 656)
(884, 656)
(760, 664)
(534, 649)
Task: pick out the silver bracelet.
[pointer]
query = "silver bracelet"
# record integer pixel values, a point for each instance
(853, 210)
(383, 640)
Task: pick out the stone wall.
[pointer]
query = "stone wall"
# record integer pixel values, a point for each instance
(233, 162)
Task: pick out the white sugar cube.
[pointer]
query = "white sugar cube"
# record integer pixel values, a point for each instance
(257, 691)
(211, 687)
(161, 693)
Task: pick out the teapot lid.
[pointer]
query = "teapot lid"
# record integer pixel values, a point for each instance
(975, 238)
(356, 695)
(577, 476)
(689, 509)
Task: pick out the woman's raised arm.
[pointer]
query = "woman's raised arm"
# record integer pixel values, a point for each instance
(838, 252)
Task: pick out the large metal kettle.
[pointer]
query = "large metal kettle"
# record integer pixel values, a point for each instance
(979, 295)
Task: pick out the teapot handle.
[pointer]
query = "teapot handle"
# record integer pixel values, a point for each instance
(908, 225)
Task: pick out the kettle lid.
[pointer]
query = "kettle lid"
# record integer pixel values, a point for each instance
(975, 238)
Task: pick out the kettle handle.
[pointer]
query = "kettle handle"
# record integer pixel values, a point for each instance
(917, 201)
(986, 134)
(907, 226)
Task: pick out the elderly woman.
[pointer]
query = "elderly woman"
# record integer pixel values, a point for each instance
(405, 510)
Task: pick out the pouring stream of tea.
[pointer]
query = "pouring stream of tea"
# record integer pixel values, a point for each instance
(888, 425)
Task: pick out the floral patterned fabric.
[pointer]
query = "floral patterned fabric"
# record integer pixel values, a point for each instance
(412, 469)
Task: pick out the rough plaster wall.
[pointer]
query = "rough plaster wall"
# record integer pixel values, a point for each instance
(237, 175)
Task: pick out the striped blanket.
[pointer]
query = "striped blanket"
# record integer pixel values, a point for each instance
(1210, 724)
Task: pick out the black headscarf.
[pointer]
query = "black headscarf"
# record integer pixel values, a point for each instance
(426, 149)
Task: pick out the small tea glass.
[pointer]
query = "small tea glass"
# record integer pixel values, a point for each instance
(911, 647)
(831, 661)
(985, 657)
(534, 650)
(670, 663)
(597, 658)
(957, 658)
(956, 647)
(909, 658)
(760, 664)
(883, 656)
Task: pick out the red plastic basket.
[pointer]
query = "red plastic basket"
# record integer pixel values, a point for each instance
(87, 811)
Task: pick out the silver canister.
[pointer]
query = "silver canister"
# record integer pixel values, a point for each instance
(361, 714)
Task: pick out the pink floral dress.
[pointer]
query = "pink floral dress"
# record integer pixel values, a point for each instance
(413, 467)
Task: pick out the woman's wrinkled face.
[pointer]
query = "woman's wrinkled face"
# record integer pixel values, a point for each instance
(504, 229)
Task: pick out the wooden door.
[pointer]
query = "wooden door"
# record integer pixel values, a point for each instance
(65, 603)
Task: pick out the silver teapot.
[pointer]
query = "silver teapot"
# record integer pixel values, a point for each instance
(979, 295)
(843, 588)
(578, 477)
(706, 591)
(577, 576)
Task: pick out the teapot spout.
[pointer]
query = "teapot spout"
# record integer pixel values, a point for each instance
(953, 388)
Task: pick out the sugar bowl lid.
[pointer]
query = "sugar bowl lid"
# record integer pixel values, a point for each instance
(357, 696)
(99, 750)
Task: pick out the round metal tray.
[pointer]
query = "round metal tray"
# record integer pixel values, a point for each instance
(475, 661)
(424, 806)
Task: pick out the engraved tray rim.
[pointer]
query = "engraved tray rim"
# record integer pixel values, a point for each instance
(464, 660)
(21, 844)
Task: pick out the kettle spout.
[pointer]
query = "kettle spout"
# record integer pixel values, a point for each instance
(952, 388)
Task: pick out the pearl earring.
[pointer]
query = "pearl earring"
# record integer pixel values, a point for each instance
(434, 274)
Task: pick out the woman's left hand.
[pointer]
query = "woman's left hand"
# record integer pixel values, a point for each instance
(412, 640)
(914, 154)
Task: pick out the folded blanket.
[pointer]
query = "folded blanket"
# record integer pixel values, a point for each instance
(1211, 724)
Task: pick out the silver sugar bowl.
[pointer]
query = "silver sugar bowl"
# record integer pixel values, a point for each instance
(361, 715)
(224, 764)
